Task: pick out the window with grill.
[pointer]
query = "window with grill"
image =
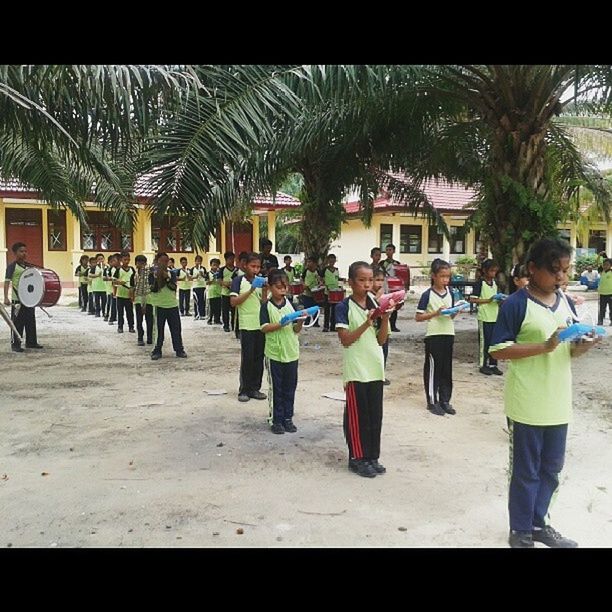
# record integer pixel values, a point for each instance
(457, 239)
(434, 243)
(167, 237)
(56, 230)
(386, 235)
(102, 235)
(410, 238)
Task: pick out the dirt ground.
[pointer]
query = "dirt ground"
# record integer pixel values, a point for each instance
(103, 447)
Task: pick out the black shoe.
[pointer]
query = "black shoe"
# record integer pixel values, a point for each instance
(149, 341)
(141, 342)
(83, 309)
(277, 428)
(120, 330)
(362, 467)
(35, 346)
(243, 397)
(91, 313)
(316, 324)
(98, 315)
(496, 370)
(485, 370)
(156, 356)
(106, 318)
(181, 354)
(447, 408)
(378, 467)
(226, 329)
(258, 395)
(552, 538)
(325, 329)
(386, 382)
(111, 322)
(209, 322)
(17, 349)
(289, 426)
(520, 539)
(132, 330)
(395, 329)
(436, 409)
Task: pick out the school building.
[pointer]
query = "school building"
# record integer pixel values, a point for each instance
(418, 243)
(57, 240)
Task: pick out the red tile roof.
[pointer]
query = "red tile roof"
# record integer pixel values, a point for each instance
(13, 188)
(445, 197)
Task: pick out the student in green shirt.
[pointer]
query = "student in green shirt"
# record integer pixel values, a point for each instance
(199, 275)
(98, 288)
(439, 339)
(227, 274)
(81, 271)
(213, 285)
(124, 292)
(331, 280)
(142, 302)
(162, 281)
(114, 262)
(246, 296)
(537, 391)
(312, 280)
(91, 309)
(184, 284)
(363, 371)
(488, 308)
(23, 317)
(282, 351)
(240, 271)
(605, 292)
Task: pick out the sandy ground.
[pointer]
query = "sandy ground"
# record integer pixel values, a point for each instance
(103, 447)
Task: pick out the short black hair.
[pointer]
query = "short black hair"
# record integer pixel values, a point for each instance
(390, 245)
(277, 275)
(140, 258)
(487, 264)
(249, 257)
(439, 264)
(199, 257)
(124, 254)
(265, 242)
(99, 255)
(357, 265)
(331, 255)
(160, 254)
(183, 259)
(228, 254)
(286, 257)
(215, 260)
(245, 255)
(373, 250)
(545, 252)
(17, 246)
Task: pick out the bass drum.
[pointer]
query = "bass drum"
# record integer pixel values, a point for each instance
(39, 287)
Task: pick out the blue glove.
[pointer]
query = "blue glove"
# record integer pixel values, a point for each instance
(500, 297)
(258, 282)
(455, 309)
(575, 331)
(290, 318)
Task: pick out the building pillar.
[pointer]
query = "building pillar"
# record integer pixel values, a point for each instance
(573, 245)
(73, 232)
(609, 240)
(271, 230)
(446, 244)
(3, 253)
(223, 241)
(425, 241)
(255, 220)
(148, 251)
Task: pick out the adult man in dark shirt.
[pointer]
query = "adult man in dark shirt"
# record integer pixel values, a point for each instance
(22, 316)
(269, 262)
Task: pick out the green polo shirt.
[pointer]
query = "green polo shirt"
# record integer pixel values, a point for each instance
(331, 279)
(290, 274)
(537, 390)
(431, 301)
(166, 296)
(487, 312)
(605, 283)
(281, 345)
(226, 276)
(82, 272)
(363, 361)
(199, 273)
(109, 272)
(128, 277)
(97, 282)
(183, 283)
(13, 273)
(214, 289)
(311, 281)
(248, 311)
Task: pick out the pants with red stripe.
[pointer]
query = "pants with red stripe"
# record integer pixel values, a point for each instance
(363, 418)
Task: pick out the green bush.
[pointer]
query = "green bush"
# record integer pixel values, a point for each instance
(583, 262)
